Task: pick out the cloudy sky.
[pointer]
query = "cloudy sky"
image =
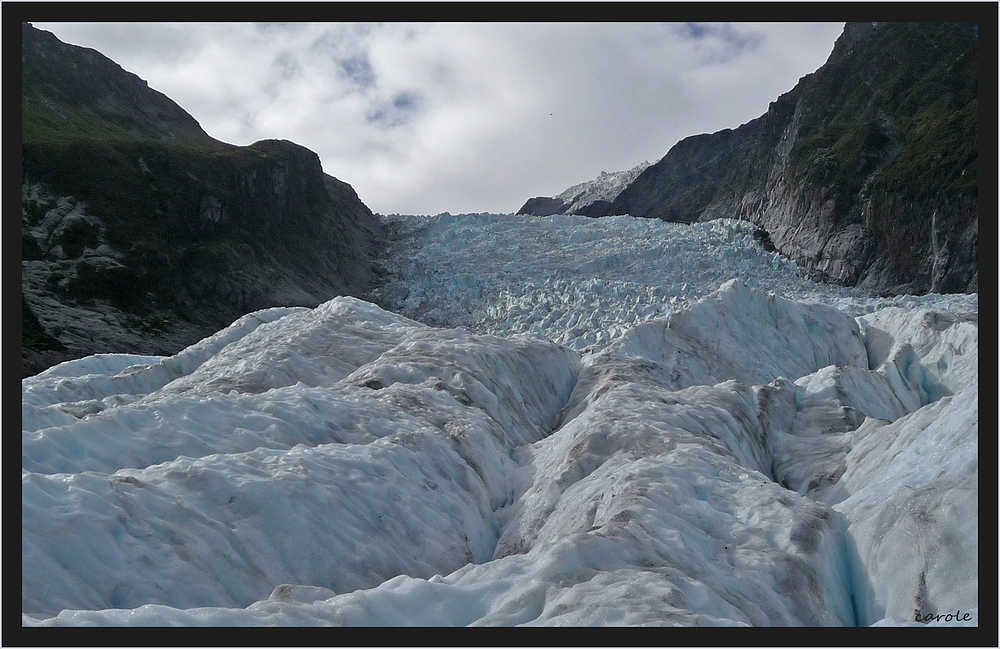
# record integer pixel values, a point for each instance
(422, 118)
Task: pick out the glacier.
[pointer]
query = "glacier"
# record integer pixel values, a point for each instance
(554, 421)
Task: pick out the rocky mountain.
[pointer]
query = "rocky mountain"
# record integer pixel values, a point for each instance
(591, 198)
(866, 171)
(140, 233)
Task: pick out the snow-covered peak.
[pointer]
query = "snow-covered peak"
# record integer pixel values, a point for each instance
(605, 187)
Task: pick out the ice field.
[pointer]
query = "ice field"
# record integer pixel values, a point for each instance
(548, 421)
(580, 281)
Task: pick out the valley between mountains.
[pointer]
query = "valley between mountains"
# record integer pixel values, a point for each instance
(736, 387)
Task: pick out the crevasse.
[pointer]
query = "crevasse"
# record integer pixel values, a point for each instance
(728, 457)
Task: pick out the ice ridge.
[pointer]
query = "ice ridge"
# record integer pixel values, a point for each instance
(735, 457)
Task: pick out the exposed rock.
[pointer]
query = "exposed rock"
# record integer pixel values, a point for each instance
(543, 206)
(591, 198)
(866, 171)
(142, 234)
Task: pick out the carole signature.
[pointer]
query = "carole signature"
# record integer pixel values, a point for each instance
(957, 616)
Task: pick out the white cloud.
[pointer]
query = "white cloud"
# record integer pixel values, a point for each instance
(429, 117)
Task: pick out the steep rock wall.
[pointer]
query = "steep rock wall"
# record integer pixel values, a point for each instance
(866, 171)
(142, 234)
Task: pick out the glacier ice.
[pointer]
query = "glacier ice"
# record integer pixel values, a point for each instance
(560, 421)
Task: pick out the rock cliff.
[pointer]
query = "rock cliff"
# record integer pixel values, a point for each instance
(866, 171)
(140, 233)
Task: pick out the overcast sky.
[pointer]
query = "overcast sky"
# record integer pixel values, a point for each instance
(422, 118)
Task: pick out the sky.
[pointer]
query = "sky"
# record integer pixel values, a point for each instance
(423, 117)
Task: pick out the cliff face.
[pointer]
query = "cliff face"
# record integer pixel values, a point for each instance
(140, 233)
(866, 171)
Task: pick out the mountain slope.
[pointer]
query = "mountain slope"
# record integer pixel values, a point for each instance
(866, 171)
(140, 233)
(76, 93)
(589, 198)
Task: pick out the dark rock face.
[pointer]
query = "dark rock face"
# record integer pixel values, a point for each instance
(686, 180)
(543, 206)
(142, 234)
(597, 208)
(866, 171)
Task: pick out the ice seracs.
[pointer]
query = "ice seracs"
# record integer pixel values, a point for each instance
(745, 459)
(227, 481)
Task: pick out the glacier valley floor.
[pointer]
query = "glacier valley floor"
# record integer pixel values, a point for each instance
(554, 421)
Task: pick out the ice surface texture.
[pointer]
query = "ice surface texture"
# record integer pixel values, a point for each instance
(583, 282)
(745, 459)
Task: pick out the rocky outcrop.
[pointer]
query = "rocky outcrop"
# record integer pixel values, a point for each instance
(543, 206)
(866, 171)
(142, 234)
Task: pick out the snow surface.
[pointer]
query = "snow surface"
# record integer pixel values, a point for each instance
(611, 422)
(606, 187)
